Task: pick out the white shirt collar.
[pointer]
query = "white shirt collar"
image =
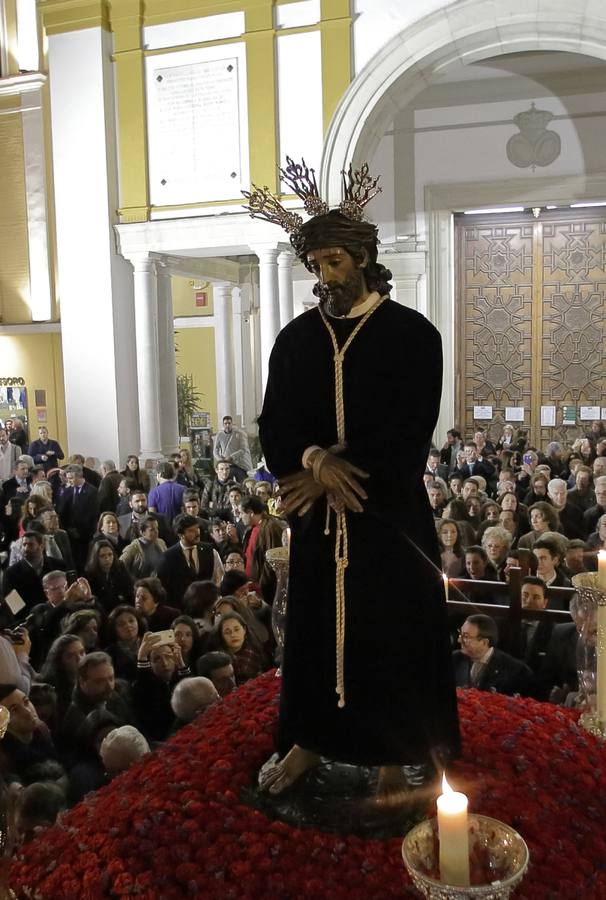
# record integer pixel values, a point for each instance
(356, 311)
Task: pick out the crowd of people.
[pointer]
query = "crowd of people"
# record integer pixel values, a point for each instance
(491, 501)
(131, 600)
(134, 599)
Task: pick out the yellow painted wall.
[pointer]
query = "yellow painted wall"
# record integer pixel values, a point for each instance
(184, 297)
(196, 356)
(14, 256)
(37, 358)
(127, 17)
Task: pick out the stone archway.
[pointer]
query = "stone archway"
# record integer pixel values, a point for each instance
(462, 32)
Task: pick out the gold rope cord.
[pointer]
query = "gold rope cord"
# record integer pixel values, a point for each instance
(341, 539)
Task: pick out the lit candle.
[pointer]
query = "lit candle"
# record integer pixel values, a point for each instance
(288, 537)
(453, 836)
(601, 642)
(445, 579)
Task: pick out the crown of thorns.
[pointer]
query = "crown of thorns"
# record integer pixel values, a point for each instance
(358, 189)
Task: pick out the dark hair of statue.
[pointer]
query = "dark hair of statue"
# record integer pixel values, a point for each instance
(359, 239)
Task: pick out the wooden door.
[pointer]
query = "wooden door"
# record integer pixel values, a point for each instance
(530, 317)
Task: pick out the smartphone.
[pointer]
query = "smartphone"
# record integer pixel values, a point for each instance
(166, 637)
(527, 458)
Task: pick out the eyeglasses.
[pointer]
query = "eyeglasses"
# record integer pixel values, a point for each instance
(464, 636)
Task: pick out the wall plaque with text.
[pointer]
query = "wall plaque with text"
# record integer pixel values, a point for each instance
(194, 132)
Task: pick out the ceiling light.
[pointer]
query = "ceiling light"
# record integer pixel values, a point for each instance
(497, 209)
(598, 203)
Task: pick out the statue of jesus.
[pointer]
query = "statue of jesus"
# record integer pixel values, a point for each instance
(351, 403)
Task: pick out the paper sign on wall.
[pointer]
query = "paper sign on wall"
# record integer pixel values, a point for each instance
(589, 412)
(514, 413)
(603, 416)
(548, 416)
(569, 415)
(482, 412)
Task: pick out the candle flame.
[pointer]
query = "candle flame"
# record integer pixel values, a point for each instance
(445, 576)
(601, 554)
(446, 788)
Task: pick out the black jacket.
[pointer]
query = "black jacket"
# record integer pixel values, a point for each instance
(504, 674)
(24, 579)
(176, 575)
(108, 492)
(480, 467)
(571, 522)
(113, 590)
(559, 666)
(151, 699)
(79, 510)
(9, 489)
(130, 531)
(591, 516)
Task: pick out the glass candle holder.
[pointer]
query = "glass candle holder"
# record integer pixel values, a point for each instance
(498, 860)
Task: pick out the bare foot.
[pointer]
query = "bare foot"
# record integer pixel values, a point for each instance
(392, 788)
(277, 776)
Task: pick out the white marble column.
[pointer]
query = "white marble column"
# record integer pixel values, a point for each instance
(167, 362)
(250, 410)
(408, 271)
(236, 302)
(286, 261)
(269, 305)
(224, 350)
(254, 331)
(95, 283)
(148, 370)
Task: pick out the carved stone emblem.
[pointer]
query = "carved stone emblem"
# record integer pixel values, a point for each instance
(534, 146)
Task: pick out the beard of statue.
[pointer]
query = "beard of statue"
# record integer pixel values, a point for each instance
(338, 299)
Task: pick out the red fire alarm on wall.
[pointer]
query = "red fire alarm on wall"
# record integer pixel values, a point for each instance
(201, 298)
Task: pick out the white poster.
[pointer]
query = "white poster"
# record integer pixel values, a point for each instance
(603, 416)
(514, 413)
(548, 416)
(589, 412)
(482, 412)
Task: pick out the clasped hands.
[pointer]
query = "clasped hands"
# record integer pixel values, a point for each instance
(335, 478)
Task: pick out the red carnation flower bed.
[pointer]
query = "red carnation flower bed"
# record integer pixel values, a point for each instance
(174, 827)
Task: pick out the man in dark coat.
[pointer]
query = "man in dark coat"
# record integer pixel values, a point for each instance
(481, 665)
(559, 668)
(475, 464)
(19, 485)
(129, 522)
(45, 452)
(366, 676)
(187, 561)
(26, 576)
(78, 512)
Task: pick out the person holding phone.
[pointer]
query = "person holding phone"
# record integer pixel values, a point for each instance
(160, 667)
(477, 465)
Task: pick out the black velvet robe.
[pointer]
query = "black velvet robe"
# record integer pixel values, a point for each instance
(400, 696)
